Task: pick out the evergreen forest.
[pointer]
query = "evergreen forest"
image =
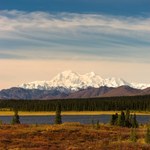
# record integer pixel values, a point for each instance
(138, 103)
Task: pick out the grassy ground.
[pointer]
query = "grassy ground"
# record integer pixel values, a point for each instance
(9, 113)
(69, 136)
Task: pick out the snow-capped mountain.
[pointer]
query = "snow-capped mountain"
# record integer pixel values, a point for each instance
(140, 85)
(71, 81)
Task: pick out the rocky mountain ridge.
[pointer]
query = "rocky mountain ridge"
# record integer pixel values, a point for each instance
(36, 94)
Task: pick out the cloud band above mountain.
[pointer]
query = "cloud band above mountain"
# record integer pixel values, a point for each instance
(41, 35)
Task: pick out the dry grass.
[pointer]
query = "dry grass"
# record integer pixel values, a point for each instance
(43, 113)
(69, 136)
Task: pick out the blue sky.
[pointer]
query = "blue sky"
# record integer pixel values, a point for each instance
(109, 34)
(113, 7)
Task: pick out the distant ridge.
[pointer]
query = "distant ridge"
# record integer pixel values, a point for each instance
(36, 94)
(20, 93)
(91, 92)
(123, 91)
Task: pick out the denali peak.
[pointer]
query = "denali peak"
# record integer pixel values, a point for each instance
(72, 81)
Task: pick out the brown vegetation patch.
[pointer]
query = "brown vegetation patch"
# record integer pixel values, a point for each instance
(69, 136)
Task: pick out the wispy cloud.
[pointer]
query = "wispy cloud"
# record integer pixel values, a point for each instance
(43, 35)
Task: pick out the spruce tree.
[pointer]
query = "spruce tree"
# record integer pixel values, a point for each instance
(121, 119)
(58, 114)
(112, 121)
(15, 119)
(131, 119)
(124, 120)
(114, 118)
(127, 119)
(134, 121)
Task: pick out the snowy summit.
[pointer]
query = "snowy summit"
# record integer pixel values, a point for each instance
(73, 81)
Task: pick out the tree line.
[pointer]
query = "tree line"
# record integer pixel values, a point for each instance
(140, 103)
(125, 119)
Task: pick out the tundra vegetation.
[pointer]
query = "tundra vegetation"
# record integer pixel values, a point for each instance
(123, 132)
(67, 136)
(147, 135)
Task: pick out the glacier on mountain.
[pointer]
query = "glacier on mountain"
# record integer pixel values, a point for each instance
(72, 81)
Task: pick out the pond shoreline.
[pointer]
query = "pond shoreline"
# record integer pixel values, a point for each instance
(45, 113)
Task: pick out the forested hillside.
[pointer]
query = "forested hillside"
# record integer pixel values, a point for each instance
(140, 103)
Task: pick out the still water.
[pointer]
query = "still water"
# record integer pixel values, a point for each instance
(84, 119)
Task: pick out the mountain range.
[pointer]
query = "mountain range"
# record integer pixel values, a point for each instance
(72, 81)
(69, 84)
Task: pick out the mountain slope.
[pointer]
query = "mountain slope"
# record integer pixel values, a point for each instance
(90, 92)
(20, 93)
(72, 81)
(146, 91)
(68, 80)
(123, 91)
(30, 94)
